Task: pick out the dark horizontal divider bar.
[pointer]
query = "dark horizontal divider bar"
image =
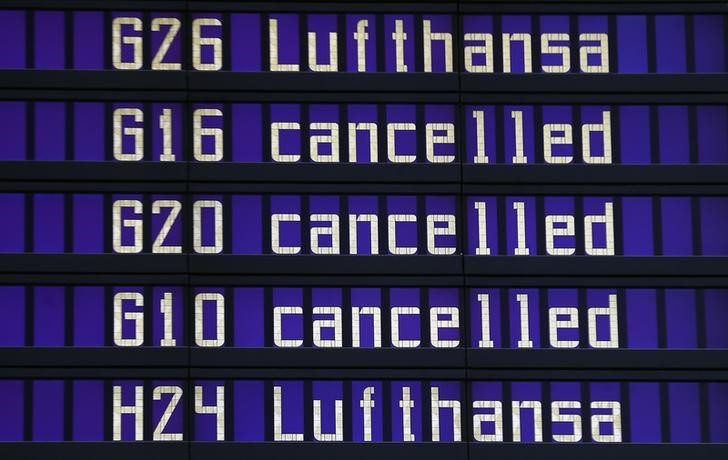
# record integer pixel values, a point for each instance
(94, 95)
(333, 451)
(384, 6)
(138, 450)
(597, 281)
(596, 174)
(454, 358)
(591, 6)
(595, 83)
(596, 189)
(94, 79)
(410, 82)
(595, 451)
(327, 173)
(398, 373)
(355, 451)
(596, 266)
(338, 188)
(84, 279)
(304, 173)
(92, 356)
(328, 358)
(591, 98)
(502, 266)
(329, 265)
(304, 81)
(601, 375)
(93, 263)
(62, 185)
(67, 372)
(286, 95)
(160, 279)
(94, 171)
(598, 359)
(326, 280)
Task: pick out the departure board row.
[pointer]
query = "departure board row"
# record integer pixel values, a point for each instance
(366, 410)
(363, 43)
(364, 133)
(397, 225)
(363, 317)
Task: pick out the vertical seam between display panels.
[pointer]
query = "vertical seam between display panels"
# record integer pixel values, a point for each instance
(460, 207)
(188, 309)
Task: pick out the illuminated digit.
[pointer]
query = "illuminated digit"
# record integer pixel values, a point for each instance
(519, 157)
(134, 224)
(174, 25)
(165, 307)
(481, 157)
(482, 249)
(525, 340)
(165, 124)
(197, 208)
(485, 340)
(521, 249)
(218, 409)
(174, 207)
(198, 42)
(120, 131)
(219, 300)
(136, 316)
(117, 41)
(157, 393)
(198, 132)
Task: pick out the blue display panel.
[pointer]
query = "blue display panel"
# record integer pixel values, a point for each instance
(365, 224)
(363, 317)
(336, 42)
(364, 133)
(365, 411)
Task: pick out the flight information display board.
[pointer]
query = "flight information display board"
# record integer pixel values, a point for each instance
(416, 229)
